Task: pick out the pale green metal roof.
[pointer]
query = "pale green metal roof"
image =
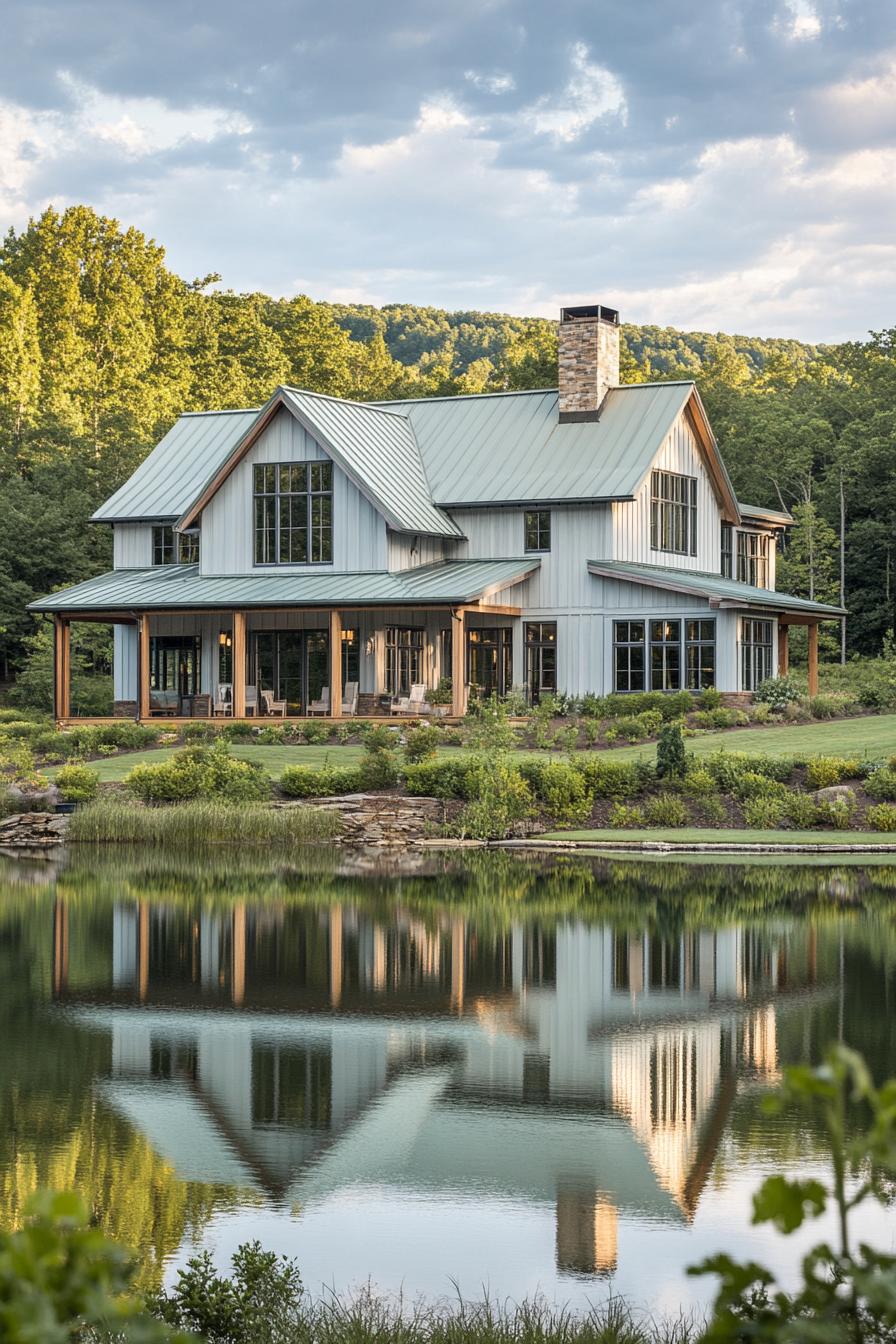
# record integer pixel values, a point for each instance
(727, 592)
(177, 468)
(510, 448)
(765, 515)
(172, 587)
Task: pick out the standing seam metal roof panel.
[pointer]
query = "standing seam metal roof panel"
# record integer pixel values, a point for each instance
(708, 585)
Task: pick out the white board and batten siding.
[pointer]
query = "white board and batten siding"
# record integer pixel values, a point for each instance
(131, 545)
(228, 541)
(631, 519)
(407, 550)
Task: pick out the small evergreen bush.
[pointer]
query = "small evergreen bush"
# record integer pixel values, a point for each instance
(882, 785)
(300, 781)
(800, 811)
(711, 698)
(823, 771)
(421, 743)
(763, 813)
(438, 778)
(625, 817)
(565, 793)
(499, 800)
(671, 761)
(199, 731)
(881, 817)
(77, 783)
(607, 778)
(717, 718)
(199, 772)
(665, 809)
(779, 692)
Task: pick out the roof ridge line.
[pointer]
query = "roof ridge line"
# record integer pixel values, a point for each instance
(343, 401)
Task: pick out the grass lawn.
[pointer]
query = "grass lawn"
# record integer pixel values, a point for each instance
(705, 835)
(874, 735)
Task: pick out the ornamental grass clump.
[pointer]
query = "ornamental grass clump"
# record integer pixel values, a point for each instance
(199, 772)
(200, 823)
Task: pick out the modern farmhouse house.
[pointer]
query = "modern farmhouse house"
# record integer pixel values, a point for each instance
(321, 555)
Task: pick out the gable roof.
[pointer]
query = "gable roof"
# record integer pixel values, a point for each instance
(177, 468)
(374, 447)
(182, 587)
(720, 592)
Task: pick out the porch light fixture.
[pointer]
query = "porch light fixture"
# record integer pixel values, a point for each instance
(225, 640)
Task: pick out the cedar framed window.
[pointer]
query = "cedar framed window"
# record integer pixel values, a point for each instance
(727, 565)
(665, 655)
(538, 530)
(756, 642)
(700, 654)
(174, 663)
(752, 558)
(628, 655)
(673, 512)
(404, 659)
(293, 513)
(541, 659)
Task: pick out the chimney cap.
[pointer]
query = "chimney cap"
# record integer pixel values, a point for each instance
(590, 310)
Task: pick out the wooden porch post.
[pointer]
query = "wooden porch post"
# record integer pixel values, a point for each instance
(143, 637)
(62, 667)
(813, 658)
(458, 665)
(239, 664)
(335, 664)
(783, 650)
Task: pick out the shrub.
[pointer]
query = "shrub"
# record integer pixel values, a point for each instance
(77, 783)
(564, 792)
(698, 780)
(779, 692)
(837, 812)
(882, 785)
(439, 778)
(800, 811)
(442, 693)
(607, 778)
(199, 772)
(638, 726)
(624, 817)
(666, 809)
(420, 743)
(594, 706)
(199, 731)
(761, 713)
(832, 705)
(711, 698)
(377, 737)
(881, 817)
(713, 811)
(239, 730)
(500, 799)
(379, 770)
(301, 781)
(750, 784)
(489, 727)
(726, 767)
(314, 732)
(763, 813)
(823, 771)
(717, 718)
(671, 761)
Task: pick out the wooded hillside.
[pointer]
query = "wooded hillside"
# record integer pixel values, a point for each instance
(102, 346)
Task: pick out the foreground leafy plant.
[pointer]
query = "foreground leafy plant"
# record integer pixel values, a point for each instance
(848, 1294)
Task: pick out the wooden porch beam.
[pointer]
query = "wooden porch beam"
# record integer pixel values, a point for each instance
(62, 667)
(458, 664)
(783, 650)
(143, 637)
(496, 610)
(335, 664)
(239, 664)
(813, 658)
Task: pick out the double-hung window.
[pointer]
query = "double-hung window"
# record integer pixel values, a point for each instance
(538, 530)
(404, 659)
(755, 652)
(673, 512)
(293, 513)
(752, 558)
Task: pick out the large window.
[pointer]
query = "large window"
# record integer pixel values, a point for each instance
(294, 513)
(174, 663)
(541, 659)
(752, 558)
(755, 652)
(291, 1086)
(404, 659)
(673, 513)
(727, 552)
(174, 548)
(538, 530)
(490, 661)
(700, 654)
(665, 655)
(628, 655)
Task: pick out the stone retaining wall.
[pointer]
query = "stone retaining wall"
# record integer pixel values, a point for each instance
(384, 819)
(32, 830)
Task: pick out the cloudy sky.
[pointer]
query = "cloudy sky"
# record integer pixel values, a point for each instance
(714, 164)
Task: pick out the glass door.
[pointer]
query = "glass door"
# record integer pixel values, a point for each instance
(490, 658)
(293, 664)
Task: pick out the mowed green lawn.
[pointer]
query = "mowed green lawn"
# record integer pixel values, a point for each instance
(698, 835)
(874, 736)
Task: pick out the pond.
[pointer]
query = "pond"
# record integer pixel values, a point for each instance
(485, 1074)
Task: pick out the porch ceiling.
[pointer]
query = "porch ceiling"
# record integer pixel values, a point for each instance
(718, 591)
(182, 587)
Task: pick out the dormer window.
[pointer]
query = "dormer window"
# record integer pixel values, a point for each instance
(673, 513)
(752, 558)
(293, 513)
(727, 567)
(174, 548)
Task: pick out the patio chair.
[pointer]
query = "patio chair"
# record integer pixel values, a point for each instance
(251, 701)
(272, 706)
(350, 699)
(321, 706)
(165, 703)
(224, 699)
(415, 703)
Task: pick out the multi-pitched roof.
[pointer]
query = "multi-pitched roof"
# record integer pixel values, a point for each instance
(415, 459)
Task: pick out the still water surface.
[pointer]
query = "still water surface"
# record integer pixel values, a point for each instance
(504, 1075)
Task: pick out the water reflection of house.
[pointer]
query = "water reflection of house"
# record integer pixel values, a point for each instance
(303, 1052)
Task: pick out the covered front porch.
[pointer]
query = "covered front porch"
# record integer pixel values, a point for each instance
(260, 658)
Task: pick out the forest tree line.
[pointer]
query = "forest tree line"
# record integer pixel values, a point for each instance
(102, 346)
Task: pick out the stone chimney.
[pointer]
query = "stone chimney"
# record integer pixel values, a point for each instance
(588, 359)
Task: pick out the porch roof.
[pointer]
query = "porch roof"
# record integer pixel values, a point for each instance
(182, 587)
(719, 591)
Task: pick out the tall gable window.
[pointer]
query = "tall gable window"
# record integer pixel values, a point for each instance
(293, 513)
(727, 551)
(538, 530)
(752, 558)
(673, 513)
(174, 548)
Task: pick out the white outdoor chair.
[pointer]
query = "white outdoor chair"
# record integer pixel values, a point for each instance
(251, 701)
(350, 699)
(321, 706)
(415, 703)
(224, 699)
(272, 706)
